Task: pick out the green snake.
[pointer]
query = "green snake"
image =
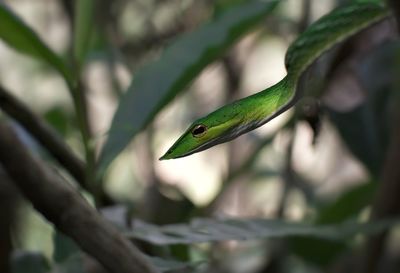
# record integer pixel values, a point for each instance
(249, 113)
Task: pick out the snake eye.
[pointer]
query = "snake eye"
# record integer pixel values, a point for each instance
(199, 130)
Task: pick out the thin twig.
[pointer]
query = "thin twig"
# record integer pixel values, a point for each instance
(306, 16)
(287, 176)
(81, 108)
(79, 99)
(67, 209)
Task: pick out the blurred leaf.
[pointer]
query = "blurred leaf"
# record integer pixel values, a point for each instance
(59, 119)
(365, 129)
(28, 262)
(175, 205)
(67, 255)
(348, 205)
(22, 38)
(368, 1)
(84, 10)
(171, 265)
(317, 251)
(358, 129)
(156, 84)
(210, 230)
(221, 5)
(116, 214)
(74, 264)
(64, 247)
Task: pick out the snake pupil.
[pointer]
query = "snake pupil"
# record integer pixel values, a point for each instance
(199, 130)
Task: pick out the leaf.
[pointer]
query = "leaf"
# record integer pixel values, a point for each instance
(365, 129)
(165, 265)
(67, 255)
(59, 119)
(18, 35)
(64, 247)
(74, 264)
(84, 10)
(348, 205)
(28, 262)
(358, 129)
(209, 230)
(156, 84)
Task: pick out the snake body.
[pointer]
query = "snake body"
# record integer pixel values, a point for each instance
(249, 113)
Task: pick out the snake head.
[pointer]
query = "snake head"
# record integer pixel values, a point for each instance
(218, 127)
(232, 120)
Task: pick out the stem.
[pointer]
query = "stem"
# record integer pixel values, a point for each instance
(287, 175)
(80, 104)
(76, 89)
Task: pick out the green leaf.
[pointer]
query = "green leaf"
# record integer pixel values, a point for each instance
(74, 264)
(156, 84)
(84, 10)
(210, 230)
(18, 35)
(164, 265)
(59, 119)
(348, 205)
(358, 129)
(64, 247)
(366, 128)
(67, 255)
(28, 262)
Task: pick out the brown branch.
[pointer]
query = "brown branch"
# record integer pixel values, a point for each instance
(49, 139)
(67, 209)
(44, 134)
(8, 206)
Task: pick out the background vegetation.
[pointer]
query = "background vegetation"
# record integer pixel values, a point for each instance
(93, 92)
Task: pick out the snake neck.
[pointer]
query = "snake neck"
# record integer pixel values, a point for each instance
(321, 36)
(327, 32)
(274, 100)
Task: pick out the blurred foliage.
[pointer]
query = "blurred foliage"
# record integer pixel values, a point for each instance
(18, 35)
(207, 230)
(178, 65)
(262, 175)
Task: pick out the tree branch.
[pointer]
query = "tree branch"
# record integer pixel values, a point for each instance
(44, 134)
(49, 139)
(66, 209)
(8, 205)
